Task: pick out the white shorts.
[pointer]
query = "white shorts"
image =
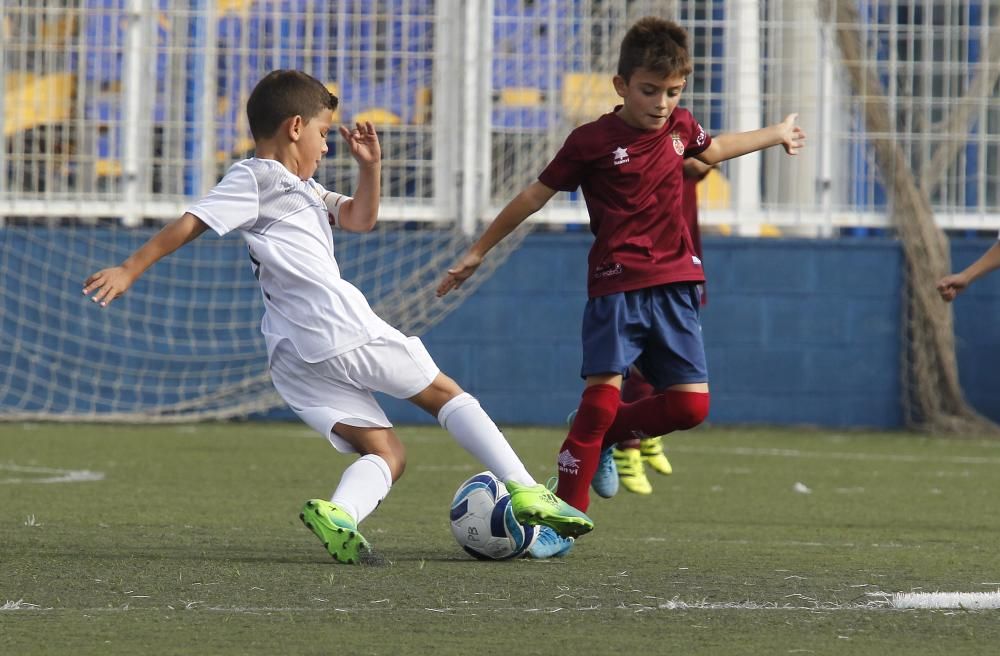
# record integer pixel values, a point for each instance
(339, 390)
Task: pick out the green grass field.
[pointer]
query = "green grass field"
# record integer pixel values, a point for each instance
(190, 544)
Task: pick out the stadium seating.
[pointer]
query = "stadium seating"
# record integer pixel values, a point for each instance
(389, 90)
(34, 100)
(586, 96)
(534, 46)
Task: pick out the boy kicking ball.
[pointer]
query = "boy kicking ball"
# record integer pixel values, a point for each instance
(328, 350)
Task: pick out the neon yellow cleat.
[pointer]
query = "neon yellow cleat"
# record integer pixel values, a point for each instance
(535, 504)
(631, 472)
(337, 531)
(651, 449)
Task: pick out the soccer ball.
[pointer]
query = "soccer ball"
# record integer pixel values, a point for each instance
(483, 523)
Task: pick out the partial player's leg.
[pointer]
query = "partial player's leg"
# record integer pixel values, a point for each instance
(629, 456)
(678, 407)
(461, 415)
(580, 453)
(362, 487)
(352, 421)
(605, 481)
(613, 329)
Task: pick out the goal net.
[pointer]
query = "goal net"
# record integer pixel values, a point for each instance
(117, 114)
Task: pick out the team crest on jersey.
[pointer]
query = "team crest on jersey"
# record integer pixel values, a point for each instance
(678, 144)
(621, 156)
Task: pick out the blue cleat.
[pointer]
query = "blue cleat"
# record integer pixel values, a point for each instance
(549, 544)
(605, 482)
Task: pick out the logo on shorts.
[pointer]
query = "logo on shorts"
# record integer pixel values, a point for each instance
(621, 156)
(678, 144)
(568, 464)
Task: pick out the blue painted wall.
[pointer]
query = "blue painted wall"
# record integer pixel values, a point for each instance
(796, 331)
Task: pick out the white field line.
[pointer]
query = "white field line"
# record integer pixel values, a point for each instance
(949, 600)
(20, 604)
(48, 474)
(787, 543)
(834, 455)
(872, 601)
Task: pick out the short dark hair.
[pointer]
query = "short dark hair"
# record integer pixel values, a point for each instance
(656, 44)
(282, 94)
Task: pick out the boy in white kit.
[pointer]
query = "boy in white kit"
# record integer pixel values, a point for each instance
(328, 350)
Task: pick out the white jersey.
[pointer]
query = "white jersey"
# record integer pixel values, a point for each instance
(286, 225)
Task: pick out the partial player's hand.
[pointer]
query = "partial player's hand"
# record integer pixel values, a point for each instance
(793, 138)
(951, 286)
(459, 273)
(107, 284)
(363, 143)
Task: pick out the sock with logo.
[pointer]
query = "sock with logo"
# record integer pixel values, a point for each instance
(473, 429)
(658, 415)
(581, 451)
(362, 486)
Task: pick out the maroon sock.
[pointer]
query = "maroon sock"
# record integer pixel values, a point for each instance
(581, 451)
(636, 387)
(658, 415)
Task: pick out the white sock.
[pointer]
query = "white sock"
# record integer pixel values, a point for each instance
(363, 486)
(471, 427)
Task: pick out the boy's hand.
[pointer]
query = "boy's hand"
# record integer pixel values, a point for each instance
(951, 286)
(363, 143)
(108, 284)
(459, 273)
(792, 136)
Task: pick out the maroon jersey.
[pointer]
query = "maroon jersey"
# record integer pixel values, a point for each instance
(632, 180)
(689, 209)
(689, 204)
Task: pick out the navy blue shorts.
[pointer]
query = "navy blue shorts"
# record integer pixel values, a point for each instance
(658, 329)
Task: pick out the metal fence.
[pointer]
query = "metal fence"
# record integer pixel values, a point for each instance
(130, 108)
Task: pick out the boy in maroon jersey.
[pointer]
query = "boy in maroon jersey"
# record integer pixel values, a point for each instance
(643, 271)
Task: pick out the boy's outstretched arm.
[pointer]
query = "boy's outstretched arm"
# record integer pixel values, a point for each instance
(728, 146)
(526, 203)
(951, 286)
(108, 284)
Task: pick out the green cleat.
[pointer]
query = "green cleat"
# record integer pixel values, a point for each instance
(652, 454)
(534, 504)
(337, 531)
